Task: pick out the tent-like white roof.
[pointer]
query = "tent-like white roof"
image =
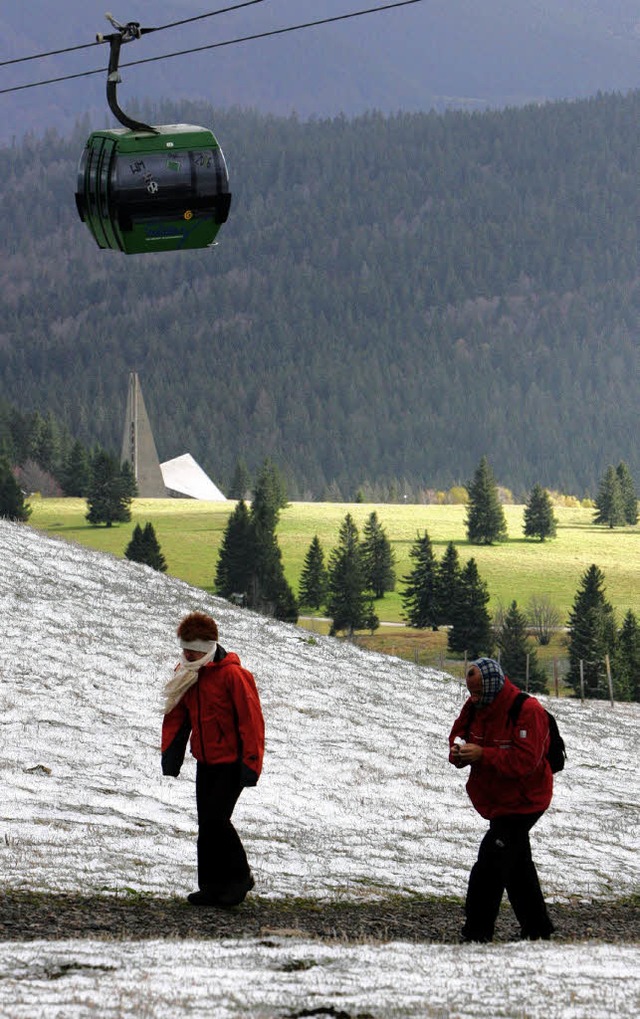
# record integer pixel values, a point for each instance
(185, 476)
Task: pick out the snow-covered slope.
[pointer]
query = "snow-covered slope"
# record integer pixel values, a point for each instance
(356, 797)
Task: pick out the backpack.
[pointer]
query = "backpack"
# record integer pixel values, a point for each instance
(556, 754)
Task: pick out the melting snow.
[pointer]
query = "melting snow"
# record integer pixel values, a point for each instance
(356, 798)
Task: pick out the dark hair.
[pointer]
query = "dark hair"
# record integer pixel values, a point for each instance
(197, 626)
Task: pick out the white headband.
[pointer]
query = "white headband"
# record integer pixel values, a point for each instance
(198, 645)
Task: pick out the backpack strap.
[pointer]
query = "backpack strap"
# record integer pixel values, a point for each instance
(514, 711)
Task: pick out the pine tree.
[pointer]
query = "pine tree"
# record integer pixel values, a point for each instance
(348, 604)
(610, 507)
(75, 474)
(592, 635)
(153, 553)
(628, 492)
(236, 556)
(447, 585)
(313, 579)
(378, 559)
(420, 598)
(128, 479)
(135, 549)
(625, 663)
(12, 501)
(471, 623)
(539, 518)
(268, 590)
(241, 481)
(485, 520)
(108, 496)
(514, 646)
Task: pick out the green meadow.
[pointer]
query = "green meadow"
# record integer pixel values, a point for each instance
(190, 533)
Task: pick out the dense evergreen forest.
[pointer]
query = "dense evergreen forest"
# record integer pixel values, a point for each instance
(391, 299)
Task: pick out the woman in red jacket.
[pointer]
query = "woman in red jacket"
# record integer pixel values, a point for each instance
(213, 699)
(510, 784)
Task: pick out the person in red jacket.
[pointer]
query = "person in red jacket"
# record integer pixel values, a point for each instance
(215, 701)
(510, 784)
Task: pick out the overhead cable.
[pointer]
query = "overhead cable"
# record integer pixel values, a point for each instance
(218, 45)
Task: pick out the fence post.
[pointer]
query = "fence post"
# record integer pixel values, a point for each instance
(526, 675)
(581, 681)
(609, 679)
(555, 676)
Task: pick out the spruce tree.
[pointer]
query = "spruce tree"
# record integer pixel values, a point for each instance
(313, 579)
(471, 623)
(378, 559)
(610, 508)
(235, 564)
(241, 481)
(12, 501)
(348, 603)
(485, 520)
(592, 635)
(628, 492)
(153, 553)
(420, 599)
(625, 663)
(447, 585)
(108, 496)
(514, 646)
(539, 518)
(135, 549)
(268, 590)
(75, 474)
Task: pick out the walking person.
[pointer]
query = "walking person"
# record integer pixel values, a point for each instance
(510, 784)
(214, 700)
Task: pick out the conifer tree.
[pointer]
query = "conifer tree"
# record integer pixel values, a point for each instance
(75, 474)
(420, 596)
(628, 492)
(236, 556)
(108, 497)
(514, 646)
(471, 623)
(610, 507)
(592, 635)
(447, 585)
(378, 559)
(539, 518)
(268, 590)
(348, 604)
(12, 500)
(313, 579)
(241, 481)
(485, 520)
(625, 663)
(153, 552)
(135, 549)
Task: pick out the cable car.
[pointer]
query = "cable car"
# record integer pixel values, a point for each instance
(140, 191)
(143, 188)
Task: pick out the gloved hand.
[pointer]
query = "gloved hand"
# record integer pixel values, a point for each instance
(248, 776)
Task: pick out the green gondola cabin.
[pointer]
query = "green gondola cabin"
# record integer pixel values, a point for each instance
(165, 189)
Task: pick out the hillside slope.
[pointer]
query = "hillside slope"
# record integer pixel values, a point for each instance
(391, 299)
(357, 796)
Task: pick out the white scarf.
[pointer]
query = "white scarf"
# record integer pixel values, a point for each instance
(185, 675)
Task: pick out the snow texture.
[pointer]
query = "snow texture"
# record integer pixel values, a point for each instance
(357, 799)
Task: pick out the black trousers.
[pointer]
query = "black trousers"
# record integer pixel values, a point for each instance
(504, 862)
(222, 860)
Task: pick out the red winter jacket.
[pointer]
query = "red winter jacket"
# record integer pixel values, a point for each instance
(223, 714)
(513, 775)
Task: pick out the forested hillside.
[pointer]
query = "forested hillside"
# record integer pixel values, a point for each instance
(392, 298)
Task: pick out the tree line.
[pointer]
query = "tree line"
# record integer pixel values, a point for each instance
(391, 298)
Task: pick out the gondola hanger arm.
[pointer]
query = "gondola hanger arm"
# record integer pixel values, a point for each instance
(123, 34)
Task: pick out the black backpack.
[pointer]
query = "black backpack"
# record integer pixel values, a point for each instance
(556, 754)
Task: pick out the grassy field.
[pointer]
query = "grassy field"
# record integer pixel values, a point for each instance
(190, 533)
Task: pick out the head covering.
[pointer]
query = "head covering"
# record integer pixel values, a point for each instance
(492, 679)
